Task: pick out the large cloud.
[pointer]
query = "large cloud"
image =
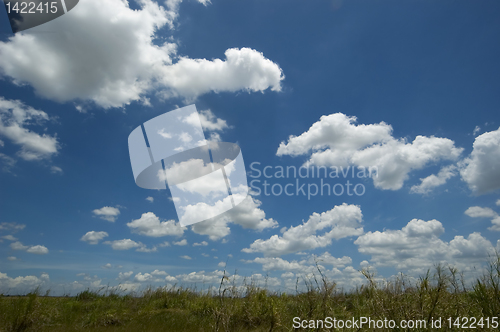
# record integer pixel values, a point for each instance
(481, 170)
(108, 53)
(21, 285)
(15, 117)
(335, 140)
(340, 222)
(247, 214)
(417, 246)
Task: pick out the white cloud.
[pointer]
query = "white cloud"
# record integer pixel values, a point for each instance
(12, 258)
(480, 212)
(150, 225)
(143, 248)
(15, 116)
(417, 246)
(208, 121)
(221, 264)
(8, 162)
(185, 257)
(203, 243)
(18, 246)
(181, 243)
(9, 237)
(476, 130)
(93, 237)
(201, 277)
(143, 277)
(150, 199)
(107, 213)
(432, 181)
(340, 222)
(124, 244)
(247, 214)
(243, 69)
(125, 275)
(38, 250)
(498, 203)
(303, 266)
(480, 170)
(107, 53)
(159, 273)
(335, 140)
(129, 286)
(11, 226)
(56, 170)
(20, 285)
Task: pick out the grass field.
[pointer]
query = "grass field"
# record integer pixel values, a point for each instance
(440, 293)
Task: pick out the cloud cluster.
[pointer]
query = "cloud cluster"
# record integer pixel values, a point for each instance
(340, 222)
(15, 118)
(108, 53)
(481, 212)
(336, 140)
(417, 246)
(150, 225)
(38, 249)
(247, 214)
(107, 213)
(19, 285)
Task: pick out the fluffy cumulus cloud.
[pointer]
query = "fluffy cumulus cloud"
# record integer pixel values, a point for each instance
(336, 140)
(340, 222)
(247, 214)
(106, 52)
(15, 120)
(481, 212)
(108, 213)
(417, 246)
(150, 225)
(93, 237)
(480, 170)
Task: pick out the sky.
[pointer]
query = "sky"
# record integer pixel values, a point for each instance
(390, 107)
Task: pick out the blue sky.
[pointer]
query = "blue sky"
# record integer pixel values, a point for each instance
(410, 87)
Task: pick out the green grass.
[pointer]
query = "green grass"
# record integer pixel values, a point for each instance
(439, 293)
